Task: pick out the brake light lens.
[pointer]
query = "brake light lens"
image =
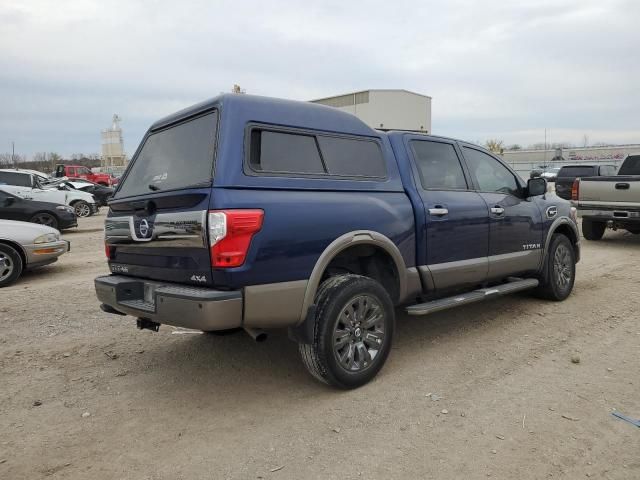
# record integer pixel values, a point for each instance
(575, 189)
(107, 250)
(230, 234)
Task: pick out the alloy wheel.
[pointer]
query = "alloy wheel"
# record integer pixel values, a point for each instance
(6, 266)
(562, 267)
(359, 333)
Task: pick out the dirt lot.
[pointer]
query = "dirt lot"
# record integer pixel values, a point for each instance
(483, 391)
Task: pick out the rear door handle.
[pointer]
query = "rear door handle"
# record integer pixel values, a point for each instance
(438, 211)
(497, 210)
(622, 186)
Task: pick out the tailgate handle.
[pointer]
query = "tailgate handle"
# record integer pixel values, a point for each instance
(622, 186)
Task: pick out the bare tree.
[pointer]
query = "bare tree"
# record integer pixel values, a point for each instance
(585, 140)
(495, 145)
(515, 146)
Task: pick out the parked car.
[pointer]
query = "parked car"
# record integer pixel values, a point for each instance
(567, 174)
(550, 174)
(612, 201)
(316, 222)
(79, 171)
(101, 193)
(26, 245)
(28, 186)
(60, 217)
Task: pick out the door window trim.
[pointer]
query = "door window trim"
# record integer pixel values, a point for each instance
(416, 172)
(476, 187)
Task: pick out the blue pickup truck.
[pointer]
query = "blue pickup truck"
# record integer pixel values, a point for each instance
(259, 213)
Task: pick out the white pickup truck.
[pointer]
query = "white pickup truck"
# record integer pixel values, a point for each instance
(25, 184)
(612, 201)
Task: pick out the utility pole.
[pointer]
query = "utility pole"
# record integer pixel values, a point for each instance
(13, 154)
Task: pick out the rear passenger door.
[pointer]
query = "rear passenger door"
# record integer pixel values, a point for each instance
(456, 217)
(515, 227)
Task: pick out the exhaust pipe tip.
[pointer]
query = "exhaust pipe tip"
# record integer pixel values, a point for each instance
(257, 334)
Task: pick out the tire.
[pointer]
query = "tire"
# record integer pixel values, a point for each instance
(634, 230)
(559, 270)
(340, 333)
(11, 265)
(45, 218)
(82, 209)
(593, 230)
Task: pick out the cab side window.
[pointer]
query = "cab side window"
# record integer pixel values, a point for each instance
(489, 174)
(438, 166)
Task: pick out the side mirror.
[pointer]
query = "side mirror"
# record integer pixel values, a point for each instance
(536, 187)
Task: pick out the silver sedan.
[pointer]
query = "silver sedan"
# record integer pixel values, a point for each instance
(26, 245)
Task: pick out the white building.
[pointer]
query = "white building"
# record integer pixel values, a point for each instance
(113, 154)
(386, 109)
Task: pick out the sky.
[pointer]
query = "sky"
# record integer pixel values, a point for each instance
(495, 69)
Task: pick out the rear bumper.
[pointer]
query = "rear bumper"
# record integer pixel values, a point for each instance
(172, 304)
(617, 215)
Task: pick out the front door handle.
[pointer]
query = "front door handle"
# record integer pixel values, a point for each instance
(497, 210)
(438, 211)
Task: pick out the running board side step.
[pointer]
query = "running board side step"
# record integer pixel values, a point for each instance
(514, 285)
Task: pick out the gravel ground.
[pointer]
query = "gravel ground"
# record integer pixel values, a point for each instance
(483, 391)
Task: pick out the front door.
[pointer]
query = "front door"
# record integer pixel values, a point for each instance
(457, 224)
(515, 231)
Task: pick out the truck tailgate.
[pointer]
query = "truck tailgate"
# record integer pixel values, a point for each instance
(621, 191)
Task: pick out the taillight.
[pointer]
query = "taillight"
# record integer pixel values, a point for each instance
(107, 250)
(230, 234)
(575, 189)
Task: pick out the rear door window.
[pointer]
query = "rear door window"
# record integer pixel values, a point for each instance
(176, 157)
(16, 179)
(576, 172)
(438, 165)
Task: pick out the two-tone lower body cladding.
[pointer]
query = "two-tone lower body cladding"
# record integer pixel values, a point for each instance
(207, 309)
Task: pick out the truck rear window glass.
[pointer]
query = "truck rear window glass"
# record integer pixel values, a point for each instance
(438, 165)
(631, 166)
(16, 179)
(177, 157)
(352, 157)
(280, 152)
(576, 172)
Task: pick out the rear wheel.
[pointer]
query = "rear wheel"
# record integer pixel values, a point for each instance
(593, 230)
(10, 265)
(560, 270)
(353, 331)
(82, 208)
(44, 218)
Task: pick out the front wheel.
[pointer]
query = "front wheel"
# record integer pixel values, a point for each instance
(10, 265)
(82, 208)
(559, 270)
(44, 218)
(353, 330)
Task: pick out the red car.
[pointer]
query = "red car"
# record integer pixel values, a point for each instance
(78, 171)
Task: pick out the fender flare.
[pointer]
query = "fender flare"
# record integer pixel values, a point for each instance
(552, 229)
(358, 237)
